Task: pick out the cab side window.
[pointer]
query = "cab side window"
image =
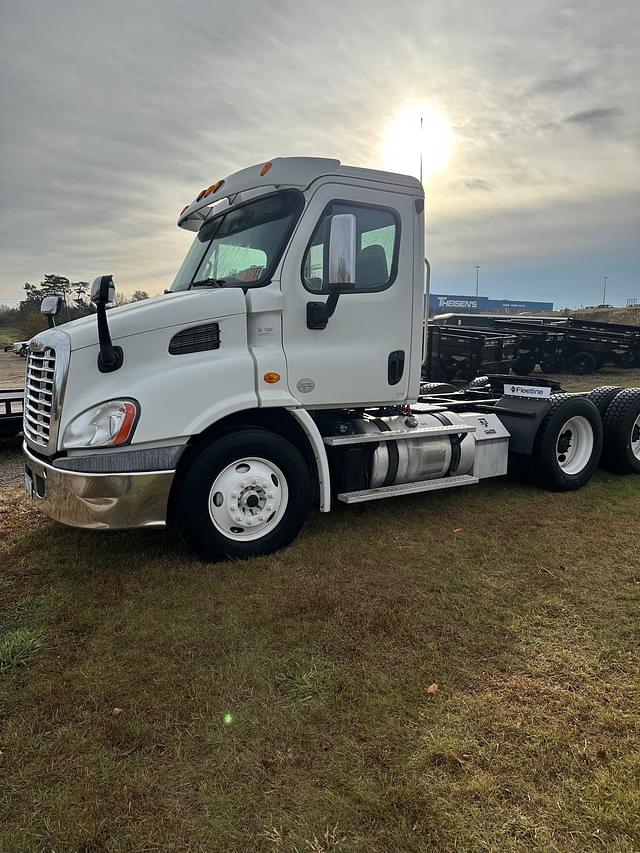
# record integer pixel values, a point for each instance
(377, 241)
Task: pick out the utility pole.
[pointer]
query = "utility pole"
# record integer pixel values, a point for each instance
(477, 277)
(604, 292)
(420, 147)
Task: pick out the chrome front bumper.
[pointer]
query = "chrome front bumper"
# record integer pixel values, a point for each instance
(99, 501)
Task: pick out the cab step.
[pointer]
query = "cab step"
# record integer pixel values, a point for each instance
(407, 489)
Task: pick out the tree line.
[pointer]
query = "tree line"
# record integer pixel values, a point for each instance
(76, 302)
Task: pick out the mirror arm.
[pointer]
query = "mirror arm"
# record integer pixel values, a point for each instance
(319, 313)
(110, 358)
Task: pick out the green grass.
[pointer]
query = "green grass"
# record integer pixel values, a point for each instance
(280, 704)
(18, 648)
(9, 334)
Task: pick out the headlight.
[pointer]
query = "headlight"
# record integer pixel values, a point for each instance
(107, 425)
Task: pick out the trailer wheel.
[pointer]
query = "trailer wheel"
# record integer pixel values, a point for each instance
(582, 363)
(568, 444)
(246, 493)
(622, 433)
(601, 397)
(626, 360)
(523, 365)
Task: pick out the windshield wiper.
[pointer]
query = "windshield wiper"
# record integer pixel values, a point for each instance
(208, 282)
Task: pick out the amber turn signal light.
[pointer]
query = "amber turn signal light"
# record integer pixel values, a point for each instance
(265, 169)
(271, 377)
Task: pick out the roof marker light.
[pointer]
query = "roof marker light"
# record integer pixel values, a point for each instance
(265, 168)
(213, 188)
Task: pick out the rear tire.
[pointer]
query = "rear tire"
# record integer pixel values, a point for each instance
(437, 388)
(479, 383)
(601, 397)
(568, 444)
(622, 433)
(582, 363)
(245, 493)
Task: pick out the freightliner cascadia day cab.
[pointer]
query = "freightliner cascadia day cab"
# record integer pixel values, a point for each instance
(281, 370)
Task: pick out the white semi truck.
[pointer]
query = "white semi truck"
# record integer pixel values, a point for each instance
(281, 370)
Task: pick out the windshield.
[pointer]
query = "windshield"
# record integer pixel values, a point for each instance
(242, 245)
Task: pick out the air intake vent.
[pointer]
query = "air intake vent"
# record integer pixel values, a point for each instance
(196, 339)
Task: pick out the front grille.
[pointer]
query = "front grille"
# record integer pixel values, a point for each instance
(38, 395)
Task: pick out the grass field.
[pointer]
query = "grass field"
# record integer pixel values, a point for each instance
(8, 335)
(457, 671)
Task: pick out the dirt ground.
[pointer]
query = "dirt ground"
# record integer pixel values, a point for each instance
(11, 370)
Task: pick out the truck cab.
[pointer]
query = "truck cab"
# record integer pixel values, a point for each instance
(279, 369)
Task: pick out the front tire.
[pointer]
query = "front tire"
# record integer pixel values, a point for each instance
(568, 444)
(246, 493)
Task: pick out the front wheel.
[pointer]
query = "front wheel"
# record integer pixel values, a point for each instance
(246, 493)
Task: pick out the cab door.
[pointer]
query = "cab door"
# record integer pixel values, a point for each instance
(363, 354)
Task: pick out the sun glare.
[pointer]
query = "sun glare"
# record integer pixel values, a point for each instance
(405, 139)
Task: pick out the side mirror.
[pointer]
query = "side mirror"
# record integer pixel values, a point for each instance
(342, 249)
(341, 269)
(50, 307)
(103, 290)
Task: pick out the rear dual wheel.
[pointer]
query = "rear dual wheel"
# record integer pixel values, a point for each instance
(245, 493)
(568, 444)
(622, 433)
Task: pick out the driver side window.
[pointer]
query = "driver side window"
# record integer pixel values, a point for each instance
(377, 242)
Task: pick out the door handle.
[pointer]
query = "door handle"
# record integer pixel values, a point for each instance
(395, 366)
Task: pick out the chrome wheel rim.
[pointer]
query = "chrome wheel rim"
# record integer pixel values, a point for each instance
(248, 499)
(575, 445)
(635, 438)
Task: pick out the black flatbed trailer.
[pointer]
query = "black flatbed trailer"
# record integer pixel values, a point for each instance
(11, 408)
(462, 354)
(558, 343)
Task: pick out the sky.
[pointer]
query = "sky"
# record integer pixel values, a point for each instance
(115, 114)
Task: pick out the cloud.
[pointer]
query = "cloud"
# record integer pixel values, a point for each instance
(478, 184)
(563, 81)
(116, 114)
(596, 120)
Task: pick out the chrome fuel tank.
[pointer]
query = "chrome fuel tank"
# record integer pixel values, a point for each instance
(408, 460)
